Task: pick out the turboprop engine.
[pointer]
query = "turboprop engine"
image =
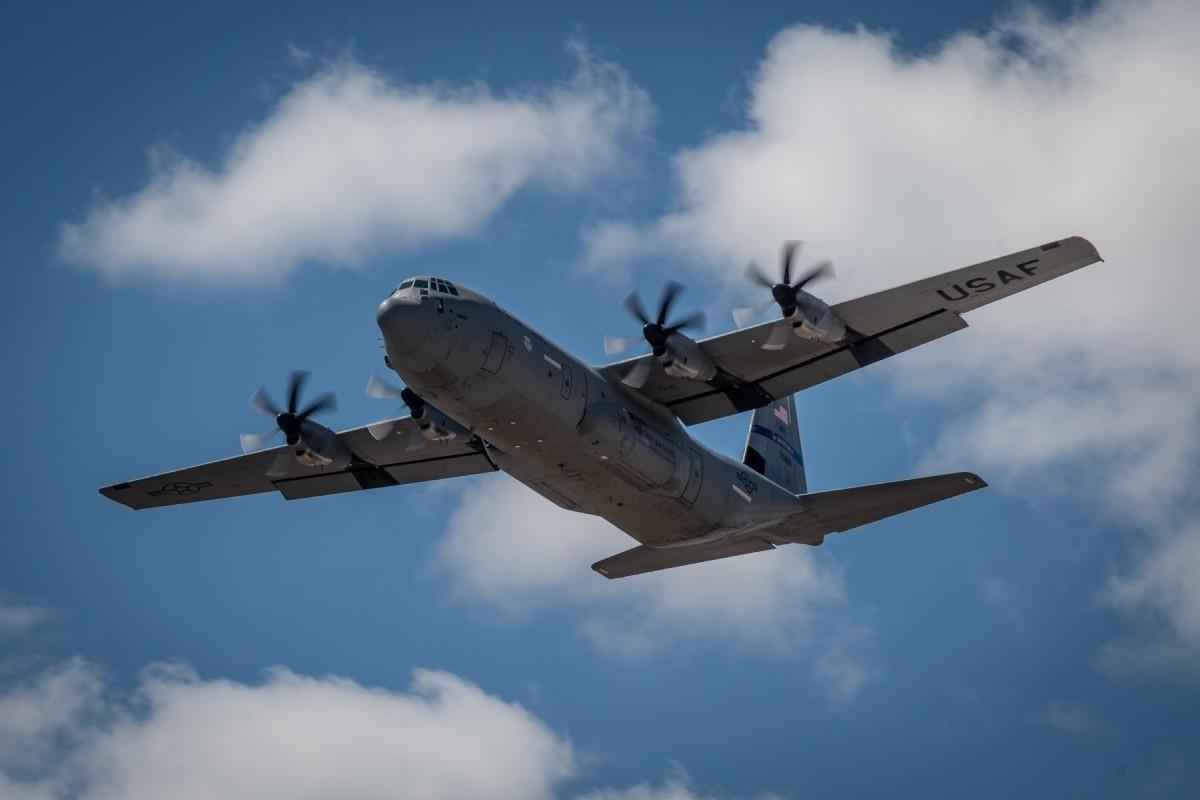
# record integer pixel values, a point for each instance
(808, 316)
(812, 318)
(679, 355)
(308, 443)
(434, 426)
(640, 455)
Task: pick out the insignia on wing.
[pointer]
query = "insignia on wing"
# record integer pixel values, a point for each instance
(181, 488)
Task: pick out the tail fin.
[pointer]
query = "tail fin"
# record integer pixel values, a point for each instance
(773, 445)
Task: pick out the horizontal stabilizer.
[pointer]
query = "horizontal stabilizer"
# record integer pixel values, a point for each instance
(648, 559)
(843, 509)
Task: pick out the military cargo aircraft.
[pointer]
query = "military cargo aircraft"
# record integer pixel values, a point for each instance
(486, 392)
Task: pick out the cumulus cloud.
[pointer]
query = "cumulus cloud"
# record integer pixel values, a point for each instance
(67, 732)
(509, 549)
(900, 166)
(348, 162)
(289, 736)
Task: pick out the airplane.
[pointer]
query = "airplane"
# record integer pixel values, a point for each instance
(486, 392)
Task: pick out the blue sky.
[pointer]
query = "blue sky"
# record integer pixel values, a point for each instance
(184, 220)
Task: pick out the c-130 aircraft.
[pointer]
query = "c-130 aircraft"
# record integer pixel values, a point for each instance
(486, 392)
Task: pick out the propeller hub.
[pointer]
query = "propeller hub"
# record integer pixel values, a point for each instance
(656, 335)
(289, 423)
(784, 295)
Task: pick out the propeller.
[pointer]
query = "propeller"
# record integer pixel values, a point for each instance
(783, 292)
(287, 421)
(382, 390)
(656, 331)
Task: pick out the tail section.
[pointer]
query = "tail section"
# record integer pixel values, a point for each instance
(822, 513)
(773, 445)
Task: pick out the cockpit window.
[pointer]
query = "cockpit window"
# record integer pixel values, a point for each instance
(453, 291)
(404, 285)
(422, 284)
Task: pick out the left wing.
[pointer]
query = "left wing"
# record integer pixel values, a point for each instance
(886, 323)
(375, 464)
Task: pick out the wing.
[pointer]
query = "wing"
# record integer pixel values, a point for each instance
(887, 322)
(376, 464)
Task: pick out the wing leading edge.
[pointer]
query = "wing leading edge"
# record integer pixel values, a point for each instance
(376, 464)
(889, 322)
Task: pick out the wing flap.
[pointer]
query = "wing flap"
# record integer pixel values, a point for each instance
(641, 559)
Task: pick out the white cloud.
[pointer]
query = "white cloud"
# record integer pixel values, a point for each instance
(33, 715)
(17, 619)
(290, 736)
(347, 162)
(67, 733)
(509, 549)
(901, 166)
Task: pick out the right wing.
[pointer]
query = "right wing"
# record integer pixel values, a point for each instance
(376, 464)
(886, 323)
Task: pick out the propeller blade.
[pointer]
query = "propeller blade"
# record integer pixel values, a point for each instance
(615, 345)
(282, 465)
(817, 271)
(415, 440)
(295, 384)
(636, 377)
(326, 402)
(380, 390)
(778, 337)
(694, 320)
(670, 292)
(790, 248)
(745, 316)
(256, 441)
(262, 403)
(381, 430)
(756, 275)
(634, 306)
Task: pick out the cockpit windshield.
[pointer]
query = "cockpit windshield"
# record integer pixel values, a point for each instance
(422, 287)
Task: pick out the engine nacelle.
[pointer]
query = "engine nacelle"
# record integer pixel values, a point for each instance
(684, 358)
(814, 319)
(320, 447)
(633, 450)
(436, 426)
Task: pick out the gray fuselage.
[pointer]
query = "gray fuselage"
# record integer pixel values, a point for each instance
(562, 429)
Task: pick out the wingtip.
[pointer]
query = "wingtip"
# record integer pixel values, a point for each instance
(1088, 243)
(600, 570)
(973, 480)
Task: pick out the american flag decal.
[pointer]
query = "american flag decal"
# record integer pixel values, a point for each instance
(781, 414)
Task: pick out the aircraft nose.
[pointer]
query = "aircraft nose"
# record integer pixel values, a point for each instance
(401, 320)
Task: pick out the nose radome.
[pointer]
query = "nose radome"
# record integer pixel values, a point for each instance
(401, 320)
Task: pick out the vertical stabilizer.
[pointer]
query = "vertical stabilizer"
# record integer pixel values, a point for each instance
(773, 445)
